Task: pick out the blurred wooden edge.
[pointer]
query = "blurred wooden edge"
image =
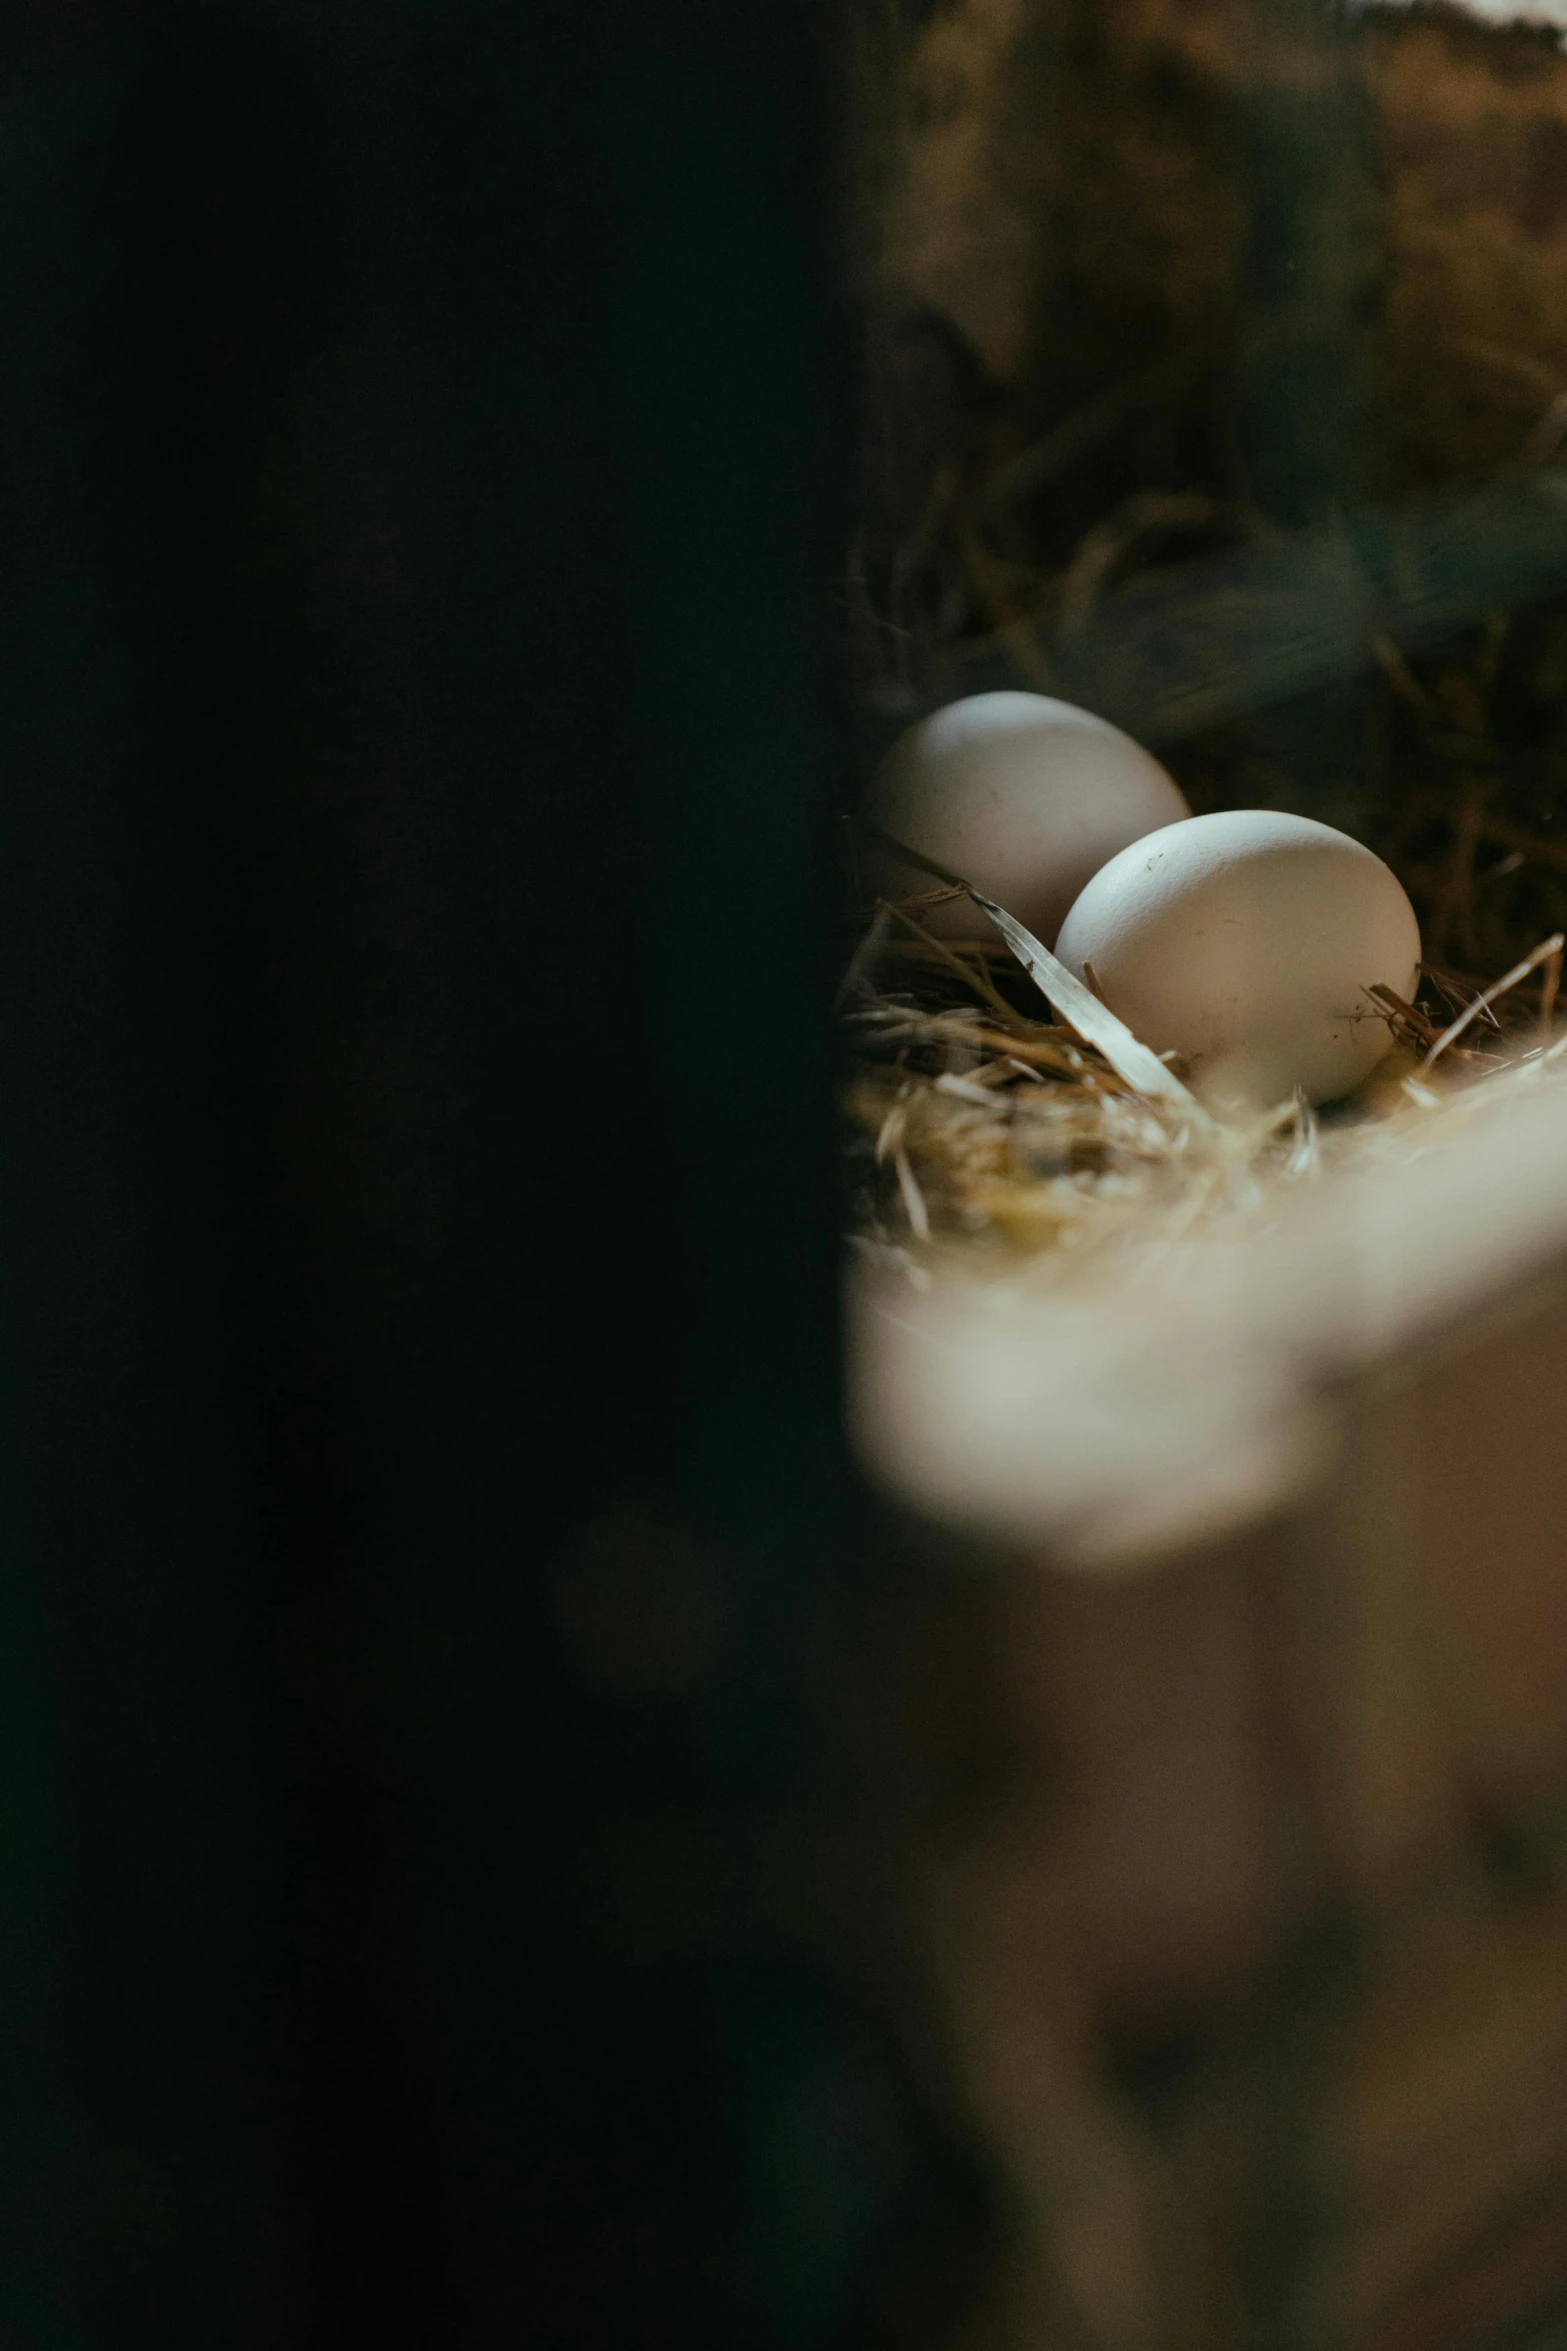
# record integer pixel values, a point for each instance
(1276, 1637)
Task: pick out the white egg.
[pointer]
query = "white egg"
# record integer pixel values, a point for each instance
(1246, 942)
(1023, 796)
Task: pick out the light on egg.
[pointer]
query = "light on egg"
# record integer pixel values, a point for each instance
(1023, 796)
(1247, 943)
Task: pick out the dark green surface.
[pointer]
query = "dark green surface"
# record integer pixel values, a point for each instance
(422, 464)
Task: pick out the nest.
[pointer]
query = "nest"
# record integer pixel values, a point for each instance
(1056, 498)
(985, 1115)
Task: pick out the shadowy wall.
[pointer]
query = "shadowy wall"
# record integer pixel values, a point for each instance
(425, 1876)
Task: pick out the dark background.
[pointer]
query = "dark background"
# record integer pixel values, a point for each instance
(431, 1909)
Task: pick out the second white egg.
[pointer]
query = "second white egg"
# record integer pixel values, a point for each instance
(1247, 943)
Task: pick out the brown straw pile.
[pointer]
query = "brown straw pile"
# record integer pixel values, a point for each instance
(984, 1117)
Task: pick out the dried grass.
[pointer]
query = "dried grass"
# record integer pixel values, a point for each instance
(981, 1123)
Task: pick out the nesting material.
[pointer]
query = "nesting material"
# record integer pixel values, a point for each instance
(986, 1119)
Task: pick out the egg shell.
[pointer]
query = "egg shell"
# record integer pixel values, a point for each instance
(1023, 796)
(1245, 942)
